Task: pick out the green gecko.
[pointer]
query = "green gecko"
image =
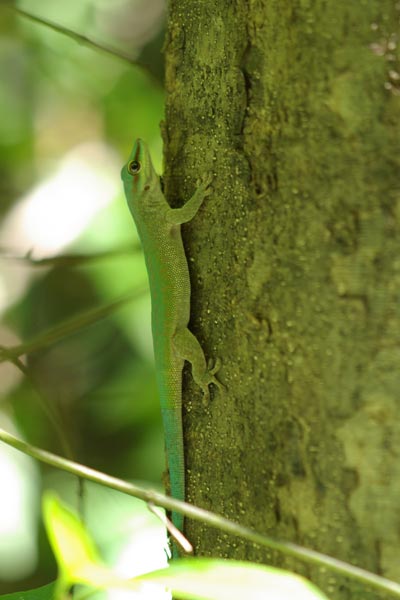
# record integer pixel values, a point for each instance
(159, 228)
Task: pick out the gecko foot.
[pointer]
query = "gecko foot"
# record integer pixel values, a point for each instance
(212, 369)
(205, 185)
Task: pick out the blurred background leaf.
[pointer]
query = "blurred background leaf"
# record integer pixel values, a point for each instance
(69, 114)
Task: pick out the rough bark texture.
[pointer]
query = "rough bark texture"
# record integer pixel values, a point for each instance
(293, 106)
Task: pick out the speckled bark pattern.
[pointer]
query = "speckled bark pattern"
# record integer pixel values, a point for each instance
(295, 269)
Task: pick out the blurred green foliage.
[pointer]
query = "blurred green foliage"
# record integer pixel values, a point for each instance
(58, 98)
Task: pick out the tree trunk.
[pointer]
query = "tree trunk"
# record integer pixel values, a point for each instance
(294, 109)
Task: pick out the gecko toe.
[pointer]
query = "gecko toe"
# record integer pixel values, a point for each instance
(205, 184)
(212, 370)
(214, 366)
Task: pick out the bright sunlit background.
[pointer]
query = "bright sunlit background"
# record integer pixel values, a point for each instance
(69, 114)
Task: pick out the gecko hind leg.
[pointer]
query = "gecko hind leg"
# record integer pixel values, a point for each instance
(188, 347)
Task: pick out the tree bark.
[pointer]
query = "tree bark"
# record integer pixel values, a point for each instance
(294, 109)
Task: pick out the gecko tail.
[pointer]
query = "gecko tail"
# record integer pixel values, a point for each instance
(176, 465)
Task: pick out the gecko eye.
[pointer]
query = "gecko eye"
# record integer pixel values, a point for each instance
(134, 167)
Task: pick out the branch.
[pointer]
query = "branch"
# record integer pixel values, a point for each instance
(205, 516)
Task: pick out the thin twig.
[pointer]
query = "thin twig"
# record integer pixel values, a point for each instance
(47, 408)
(64, 329)
(83, 39)
(67, 260)
(174, 532)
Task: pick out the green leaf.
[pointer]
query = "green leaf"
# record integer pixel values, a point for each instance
(46, 592)
(194, 579)
(208, 579)
(74, 549)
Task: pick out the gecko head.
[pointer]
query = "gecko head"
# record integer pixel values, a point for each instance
(138, 174)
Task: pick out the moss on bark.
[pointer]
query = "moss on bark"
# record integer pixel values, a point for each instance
(293, 106)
